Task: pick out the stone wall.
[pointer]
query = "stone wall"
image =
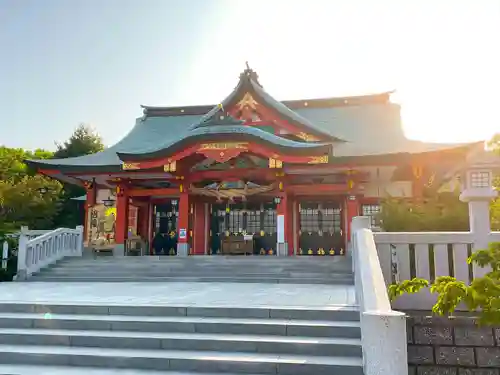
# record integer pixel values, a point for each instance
(454, 346)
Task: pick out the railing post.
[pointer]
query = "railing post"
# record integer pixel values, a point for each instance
(384, 343)
(383, 330)
(21, 255)
(5, 255)
(358, 222)
(79, 241)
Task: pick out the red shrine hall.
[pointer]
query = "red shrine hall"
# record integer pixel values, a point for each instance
(251, 175)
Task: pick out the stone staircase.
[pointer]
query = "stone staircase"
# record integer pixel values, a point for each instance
(257, 269)
(131, 339)
(180, 316)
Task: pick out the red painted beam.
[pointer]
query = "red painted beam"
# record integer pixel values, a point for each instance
(320, 189)
(152, 192)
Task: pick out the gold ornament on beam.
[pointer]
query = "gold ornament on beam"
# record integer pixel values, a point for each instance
(417, 171)
(307, 137)
(350, 179)
(130, 166)
(170, 167)
(275, 163)
(318, 160)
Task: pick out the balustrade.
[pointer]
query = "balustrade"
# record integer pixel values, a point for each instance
(46, 249)
(383, 330)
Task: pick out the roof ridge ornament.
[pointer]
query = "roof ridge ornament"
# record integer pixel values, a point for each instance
(221, 118)
(250, 74)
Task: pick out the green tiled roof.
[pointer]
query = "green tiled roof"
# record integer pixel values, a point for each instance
(227, 131)
(367, 129)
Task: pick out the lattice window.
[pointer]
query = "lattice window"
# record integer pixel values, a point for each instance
(372, 211)
(309, 218)
(480, 179)
(236, 221)
(331, 218)
(269, 221)
(253, 221)
(222, 221)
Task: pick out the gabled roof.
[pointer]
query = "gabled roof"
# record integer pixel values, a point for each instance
(224, 128)
(249, 83)
(369, 125)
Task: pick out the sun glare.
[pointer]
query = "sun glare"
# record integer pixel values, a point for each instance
(439, 56)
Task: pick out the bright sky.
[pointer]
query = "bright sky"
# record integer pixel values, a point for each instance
(65, 62)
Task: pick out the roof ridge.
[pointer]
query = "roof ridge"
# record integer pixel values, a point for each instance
(328, 101)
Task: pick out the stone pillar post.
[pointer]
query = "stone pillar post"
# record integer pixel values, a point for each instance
(21, 255)
(183, 230)
(478, 192)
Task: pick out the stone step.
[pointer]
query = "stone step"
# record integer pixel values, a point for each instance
(330, 313)
(194, 267)
(221, 279)
(273, 266)
(174, 360)
(183, 324)
(222, 259)
(332, 267)
(203, 271)
(67, 370)
(342, 347)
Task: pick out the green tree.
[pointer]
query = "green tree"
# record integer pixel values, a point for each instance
(482, 295)
(83, 141)
(21, 202)
(437, 212)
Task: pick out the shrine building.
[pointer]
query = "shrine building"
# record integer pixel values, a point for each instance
(252, 175)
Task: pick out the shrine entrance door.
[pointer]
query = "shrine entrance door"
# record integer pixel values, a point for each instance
(321, 226)
(247, 228)
(166, 219)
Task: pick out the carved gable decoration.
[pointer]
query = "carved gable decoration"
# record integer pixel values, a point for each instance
(222, 152)
(247, 102)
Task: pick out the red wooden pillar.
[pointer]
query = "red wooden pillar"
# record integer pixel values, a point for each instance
(121, 223)
(183, 223)
(90, 201)
(352, 209)
(199, 229)
(282, 210)
(289, 224)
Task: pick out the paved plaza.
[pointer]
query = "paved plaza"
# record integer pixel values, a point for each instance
(179, 294)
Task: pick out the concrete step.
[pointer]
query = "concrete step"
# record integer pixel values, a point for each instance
(67, 370)
(205, 268)
(184, 324)
(330, 313)
(191, 262)
(174, 360)
(226, 270)
(157, 271)
(105, 279)
(296, 345)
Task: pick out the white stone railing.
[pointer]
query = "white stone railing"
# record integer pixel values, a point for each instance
(46, 249)
(33, 233)
(427, 255)
(383, 330)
